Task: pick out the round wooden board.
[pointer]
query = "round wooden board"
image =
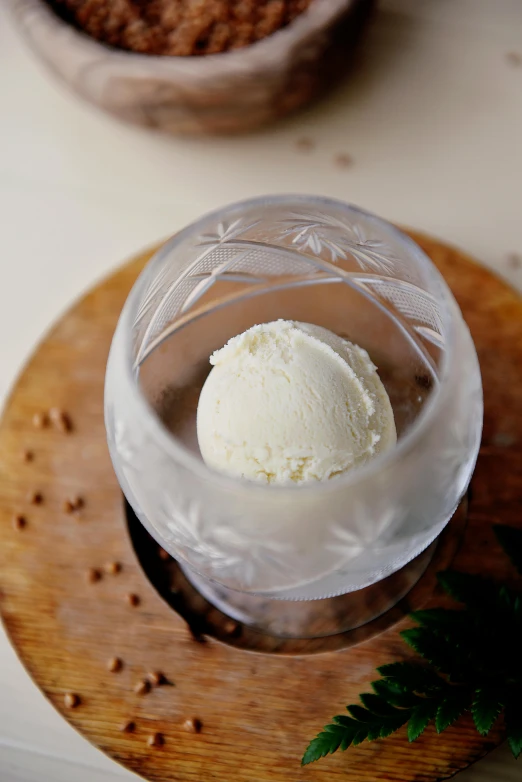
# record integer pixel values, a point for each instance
(258, 710)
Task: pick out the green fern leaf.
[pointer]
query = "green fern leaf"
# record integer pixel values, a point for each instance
(374, 732)
(391, 692)
(394, 722)
(421, 717)
(361, 735)
(514, 727)
(444, 620)
(411, 677)
(487, 705)
(473, 658)
(377, 705)
(346, 722)
(450, 709)
(434, 648)
(360, 714)
(326, 743)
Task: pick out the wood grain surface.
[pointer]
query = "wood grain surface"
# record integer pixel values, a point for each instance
(257, 711)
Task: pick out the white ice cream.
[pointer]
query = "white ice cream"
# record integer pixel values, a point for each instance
(292, 402)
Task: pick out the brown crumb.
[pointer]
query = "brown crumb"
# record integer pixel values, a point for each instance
(133, 599)
(60, 419)
(156, 678)
(514, 260)
(162, 554)
(112, 568)
(305, 144)
(142, 688)
(93, 575)
(19, 522)
(73, 504)
(179, 27)
(156, 740)
(232, 628)
(343, 160)
(115, 664)
(71, 700)
(128, 727)
(514, 58)
(193, 725)
(27, 456)
(40, 420)
(35, 498)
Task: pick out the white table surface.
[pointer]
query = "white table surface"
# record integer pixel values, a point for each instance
(433, 120)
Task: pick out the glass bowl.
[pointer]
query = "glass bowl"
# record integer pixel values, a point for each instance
(321, 261)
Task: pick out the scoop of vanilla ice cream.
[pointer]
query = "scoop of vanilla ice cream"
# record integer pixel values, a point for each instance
(292, 402)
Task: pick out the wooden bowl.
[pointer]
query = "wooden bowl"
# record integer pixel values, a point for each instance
(231, 92)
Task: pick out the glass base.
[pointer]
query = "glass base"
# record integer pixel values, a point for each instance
(312, 618)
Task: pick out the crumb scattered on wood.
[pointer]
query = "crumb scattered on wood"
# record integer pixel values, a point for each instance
(93, 575)
(40, 420)
(71, 700)
(113, 568)
(193, 725)
(232, 628)
(73, 504)
(156, 678)
(115, 664)
(19, 522)
(60, 419)
(142, 687)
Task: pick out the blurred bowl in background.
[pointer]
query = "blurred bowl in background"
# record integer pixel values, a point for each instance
(230, 92)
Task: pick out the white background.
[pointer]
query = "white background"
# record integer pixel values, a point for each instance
(432, 117)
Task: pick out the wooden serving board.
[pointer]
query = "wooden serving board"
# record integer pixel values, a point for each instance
(258, 710)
